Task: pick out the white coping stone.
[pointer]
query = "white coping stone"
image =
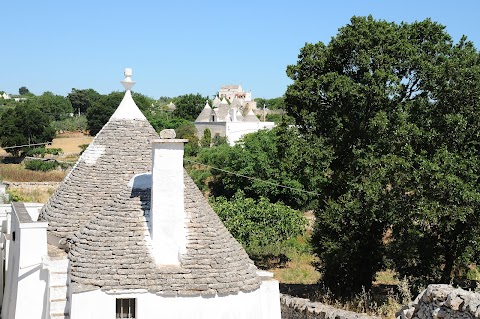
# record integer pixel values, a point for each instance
(264, 273)
(92, 154)
(141, 181)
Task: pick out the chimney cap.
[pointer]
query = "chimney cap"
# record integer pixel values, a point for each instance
(169, 140)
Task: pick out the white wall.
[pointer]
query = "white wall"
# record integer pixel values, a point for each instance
(26, 281)
(235, 130)
(263, 303)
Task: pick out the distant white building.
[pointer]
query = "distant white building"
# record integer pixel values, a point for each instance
(235, 92)
(5, 96)
(228, 120)
(128, 235)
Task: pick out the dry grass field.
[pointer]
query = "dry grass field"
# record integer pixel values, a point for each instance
(70, 142)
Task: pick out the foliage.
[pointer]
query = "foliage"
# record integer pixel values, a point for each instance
(23, 90)
(71, 124)
(36, 152)
(189, 106)
(270, 157)
(83, 147)
(25, 124)
(271, 104)
(40, 165)
(206, 140)
(397, 104)
(258, 223)
(54, 151)
(218, 140)
(188, 131)
(161, 121)
(56, 107)
(81, 100)
(103, 108)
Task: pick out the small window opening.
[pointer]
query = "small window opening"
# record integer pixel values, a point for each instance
(125, 308)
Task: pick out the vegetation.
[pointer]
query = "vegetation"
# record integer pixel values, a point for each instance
(40, 165)
(277, 103)
(18, 173)
(260, 226)
(25, 124)
(397, 105)
(188, 106)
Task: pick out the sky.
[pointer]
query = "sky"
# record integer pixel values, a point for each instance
(186, 46)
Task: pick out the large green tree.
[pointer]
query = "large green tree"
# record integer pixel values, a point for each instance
(189, 106)
(81, 100)
(397, 103)
(56, 107)
(24, 125)
(262, 161)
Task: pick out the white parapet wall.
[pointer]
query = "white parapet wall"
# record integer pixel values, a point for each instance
(236, 130)
(26, 281)
(262, 303)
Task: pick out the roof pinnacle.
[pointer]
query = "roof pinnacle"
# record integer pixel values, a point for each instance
(128, 83)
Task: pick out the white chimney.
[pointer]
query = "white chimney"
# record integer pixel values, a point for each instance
(167, 211)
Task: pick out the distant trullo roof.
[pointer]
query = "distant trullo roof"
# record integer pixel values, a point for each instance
(120, 150)
(112, 251)
(251, 117)
(204, 116)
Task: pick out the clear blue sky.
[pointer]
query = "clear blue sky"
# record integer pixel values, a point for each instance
(178, 47)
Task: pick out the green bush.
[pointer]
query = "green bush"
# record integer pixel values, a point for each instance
(39, 165)
(54, 151)
(36, 152)
(71, 124)
(258, 224)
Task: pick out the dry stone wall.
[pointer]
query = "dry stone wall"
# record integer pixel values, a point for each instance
(299, 308)
(442, 302)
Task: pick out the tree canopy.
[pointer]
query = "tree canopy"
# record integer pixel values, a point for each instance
(81, 100)
(189, 106)
(397, 104)
(25, 124)
(100, 111)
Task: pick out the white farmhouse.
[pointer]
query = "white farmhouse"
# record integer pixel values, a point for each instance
(227, 120)
(129, 235)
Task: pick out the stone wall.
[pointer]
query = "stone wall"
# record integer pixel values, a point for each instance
(299, 308)
(442, 302)
(32, 184)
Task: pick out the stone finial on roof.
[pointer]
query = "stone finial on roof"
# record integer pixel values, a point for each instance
(127, 109)
(128, 83)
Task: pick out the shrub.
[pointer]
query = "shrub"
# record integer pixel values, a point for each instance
(54, 151)
(36, 152)
(39, 165)
(258, 224)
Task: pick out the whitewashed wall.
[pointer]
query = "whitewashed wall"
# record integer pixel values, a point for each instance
(263, 303)
(26, 282)
(235, 130)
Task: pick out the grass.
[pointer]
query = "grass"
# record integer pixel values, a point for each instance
(18, 173)
(38, 194)
(299, 270)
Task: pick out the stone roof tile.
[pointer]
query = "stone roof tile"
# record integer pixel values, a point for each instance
(214, 262)
(119, 151)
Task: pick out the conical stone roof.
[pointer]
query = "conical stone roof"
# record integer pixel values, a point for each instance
(120, 150)
(113, 251)
(251, 117)
(205, 115)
